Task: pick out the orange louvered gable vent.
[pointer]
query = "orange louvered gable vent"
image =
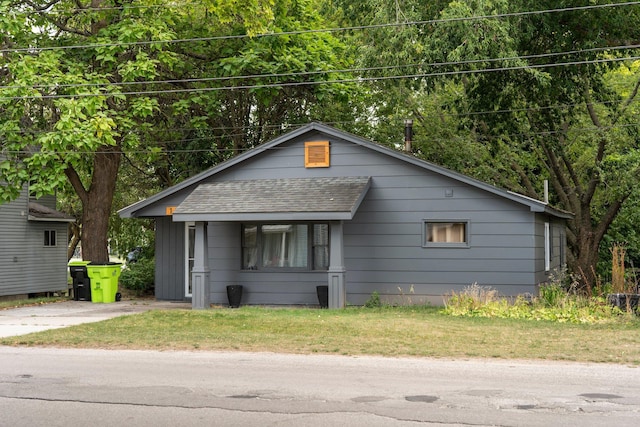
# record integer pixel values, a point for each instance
(316, 154)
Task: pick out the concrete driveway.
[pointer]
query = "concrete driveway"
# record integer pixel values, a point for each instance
(24, 320)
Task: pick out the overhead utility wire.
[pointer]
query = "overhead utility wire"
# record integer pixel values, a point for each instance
(280, 127)
(314, 83)
(294, 125)
(203, 150)
(325, 30)
(321, 72)
(174, 5)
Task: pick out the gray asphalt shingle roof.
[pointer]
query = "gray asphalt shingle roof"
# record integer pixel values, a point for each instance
(335, 195)
(38, 212)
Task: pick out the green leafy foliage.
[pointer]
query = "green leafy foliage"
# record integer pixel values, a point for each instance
(110, 79)
(139, 276)
(552, 294)
(373, 301)
(515, 100)
(555, 304)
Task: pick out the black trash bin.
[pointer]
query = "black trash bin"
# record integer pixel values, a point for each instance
(81, 282)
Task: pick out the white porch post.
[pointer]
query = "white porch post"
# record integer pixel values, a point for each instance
(200, 272)
(337, 289)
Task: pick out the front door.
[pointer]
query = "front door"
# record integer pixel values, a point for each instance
(189, 254)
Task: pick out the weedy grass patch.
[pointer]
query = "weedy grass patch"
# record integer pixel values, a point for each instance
(553, 304)
(5, 305)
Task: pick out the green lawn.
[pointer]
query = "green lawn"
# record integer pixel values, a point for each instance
(398, 331)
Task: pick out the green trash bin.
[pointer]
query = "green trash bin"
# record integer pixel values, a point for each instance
(104, 281)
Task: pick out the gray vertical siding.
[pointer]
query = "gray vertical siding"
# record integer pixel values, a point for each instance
(170, 253)
(26, 265)
(384, 249)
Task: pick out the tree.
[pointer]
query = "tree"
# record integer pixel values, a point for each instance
(264, 84)
(86, 84)
(532, 88)
(568, 118)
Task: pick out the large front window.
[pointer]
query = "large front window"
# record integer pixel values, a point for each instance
(285, 246)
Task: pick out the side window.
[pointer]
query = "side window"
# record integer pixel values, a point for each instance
(547, 246)
(50, 238)
(445, 233)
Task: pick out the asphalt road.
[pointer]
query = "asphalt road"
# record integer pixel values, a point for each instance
(71, 387)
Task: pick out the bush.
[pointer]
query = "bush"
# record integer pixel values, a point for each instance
(374, 301)
(139, 276)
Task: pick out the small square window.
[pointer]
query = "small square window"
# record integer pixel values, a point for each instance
(445, 233)
(50, 237)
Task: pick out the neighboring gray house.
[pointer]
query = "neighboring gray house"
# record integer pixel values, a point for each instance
(318, 206)
(33, 246)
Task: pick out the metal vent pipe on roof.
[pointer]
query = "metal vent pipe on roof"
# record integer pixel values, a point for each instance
(408, 135)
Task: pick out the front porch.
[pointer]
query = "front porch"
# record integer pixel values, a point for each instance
(285, 227)
(202, 273)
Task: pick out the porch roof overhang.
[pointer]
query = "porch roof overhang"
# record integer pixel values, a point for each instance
(38, 212)
(287, 199)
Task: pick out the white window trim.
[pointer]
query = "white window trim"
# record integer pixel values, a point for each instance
(547, 247)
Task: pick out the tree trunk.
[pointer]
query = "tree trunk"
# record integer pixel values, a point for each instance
(96, 207)
(74, 239)
(586, 258)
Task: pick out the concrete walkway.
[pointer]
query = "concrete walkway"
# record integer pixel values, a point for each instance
(25, 320)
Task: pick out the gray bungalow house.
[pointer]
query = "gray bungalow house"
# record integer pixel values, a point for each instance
(318, 206)
(33, 246)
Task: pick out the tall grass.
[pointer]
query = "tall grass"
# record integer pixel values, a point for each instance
(555, 303)
(618, 279)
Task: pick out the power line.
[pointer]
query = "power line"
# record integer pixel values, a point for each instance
(322, 72)
(252, 128)
(159, 144)
(104, 9)
(315, 83)
(325, 30)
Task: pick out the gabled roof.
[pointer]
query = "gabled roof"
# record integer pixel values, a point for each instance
(532, 204)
